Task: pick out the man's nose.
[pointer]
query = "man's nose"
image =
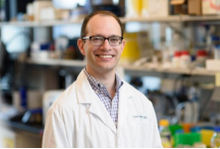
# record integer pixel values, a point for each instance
(106, 44)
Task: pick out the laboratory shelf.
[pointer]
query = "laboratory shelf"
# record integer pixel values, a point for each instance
(127, 67)
(172, 18)
(57, 62)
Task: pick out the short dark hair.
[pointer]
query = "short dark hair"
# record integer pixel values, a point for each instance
(99, 12)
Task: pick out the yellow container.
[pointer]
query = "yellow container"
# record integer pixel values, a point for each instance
(206, 136)
(164, 122)
(131, 51)
(144, 9)
(137, 5)
(134, 8)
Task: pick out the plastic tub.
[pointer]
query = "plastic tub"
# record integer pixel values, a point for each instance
(175, 128)
(206, 136)
(187, 139)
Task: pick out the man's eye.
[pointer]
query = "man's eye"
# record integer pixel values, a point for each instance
(114, 39)
(97, 39)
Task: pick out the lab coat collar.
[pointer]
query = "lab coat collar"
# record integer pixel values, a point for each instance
(86, 95)
(84, 90)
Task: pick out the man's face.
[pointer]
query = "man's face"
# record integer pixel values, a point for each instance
(104, 58)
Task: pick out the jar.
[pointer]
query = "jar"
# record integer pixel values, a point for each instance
(201, 57)
(176, 59)
(185, 59)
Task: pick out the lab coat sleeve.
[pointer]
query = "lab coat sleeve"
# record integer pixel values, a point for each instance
(156, 135)
(55, 133)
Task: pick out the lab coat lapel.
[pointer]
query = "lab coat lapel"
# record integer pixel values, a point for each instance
(125, 97)
(86, 95)
(100, 111)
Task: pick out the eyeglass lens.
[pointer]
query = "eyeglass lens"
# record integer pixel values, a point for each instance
(100, 40)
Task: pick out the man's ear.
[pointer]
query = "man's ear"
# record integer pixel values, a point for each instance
(123, 45)
(80, 44)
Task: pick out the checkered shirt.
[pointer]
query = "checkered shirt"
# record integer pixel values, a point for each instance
(111, 104)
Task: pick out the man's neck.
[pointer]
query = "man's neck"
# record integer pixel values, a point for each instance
(107, 78)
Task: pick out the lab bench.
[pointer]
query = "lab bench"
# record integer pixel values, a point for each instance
(15, 134)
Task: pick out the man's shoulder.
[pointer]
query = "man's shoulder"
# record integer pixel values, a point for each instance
(135, 93)
(132, 89)
(67, 98)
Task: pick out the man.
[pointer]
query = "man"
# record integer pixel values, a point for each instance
(99, 109)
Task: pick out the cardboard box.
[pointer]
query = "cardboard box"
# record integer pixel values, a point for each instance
(192, 7)
(180, 6)
(213, 65)
(195, 7)
(39, 6)
(210, 7)
(158, 8)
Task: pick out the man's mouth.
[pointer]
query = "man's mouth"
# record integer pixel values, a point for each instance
(105, 56)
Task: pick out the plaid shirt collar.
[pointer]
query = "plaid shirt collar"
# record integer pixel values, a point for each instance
(98, 85)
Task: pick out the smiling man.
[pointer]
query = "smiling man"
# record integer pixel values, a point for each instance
(100, 109)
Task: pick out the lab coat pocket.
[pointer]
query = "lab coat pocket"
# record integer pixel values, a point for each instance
(140, 129)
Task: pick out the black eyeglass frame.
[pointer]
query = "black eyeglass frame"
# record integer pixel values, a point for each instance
(90, 37)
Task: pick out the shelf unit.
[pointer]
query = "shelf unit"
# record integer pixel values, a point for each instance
(73, 63)
(174, 18)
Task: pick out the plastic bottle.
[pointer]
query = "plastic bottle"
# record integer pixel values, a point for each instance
(185, 59)
(176, 59)
(201, 57)
(165, 133)
(215, 140)
(217, 52)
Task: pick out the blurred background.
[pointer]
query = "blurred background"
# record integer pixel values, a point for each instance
(172, 55)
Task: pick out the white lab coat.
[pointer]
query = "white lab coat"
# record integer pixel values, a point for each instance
(79, 119)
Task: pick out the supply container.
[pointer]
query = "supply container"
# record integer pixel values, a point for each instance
(195, 129)
(131, 51)
(201, 57)
(187, 139)
(206, 136)
(186, 127)
(165, 133)
(215, 140)
(154, 6)
(217, 52)
(185, 59)
(175, 128)
(133, 8)
(176, 59)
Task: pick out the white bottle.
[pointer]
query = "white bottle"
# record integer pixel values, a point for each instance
(176, 59)
(165, 133)
(215, 140)
(185, 59)
(201, 57)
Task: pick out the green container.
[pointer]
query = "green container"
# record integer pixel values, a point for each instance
(174, 128)
(187, 139)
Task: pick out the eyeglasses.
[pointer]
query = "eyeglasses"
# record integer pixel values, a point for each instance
(99, 40)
